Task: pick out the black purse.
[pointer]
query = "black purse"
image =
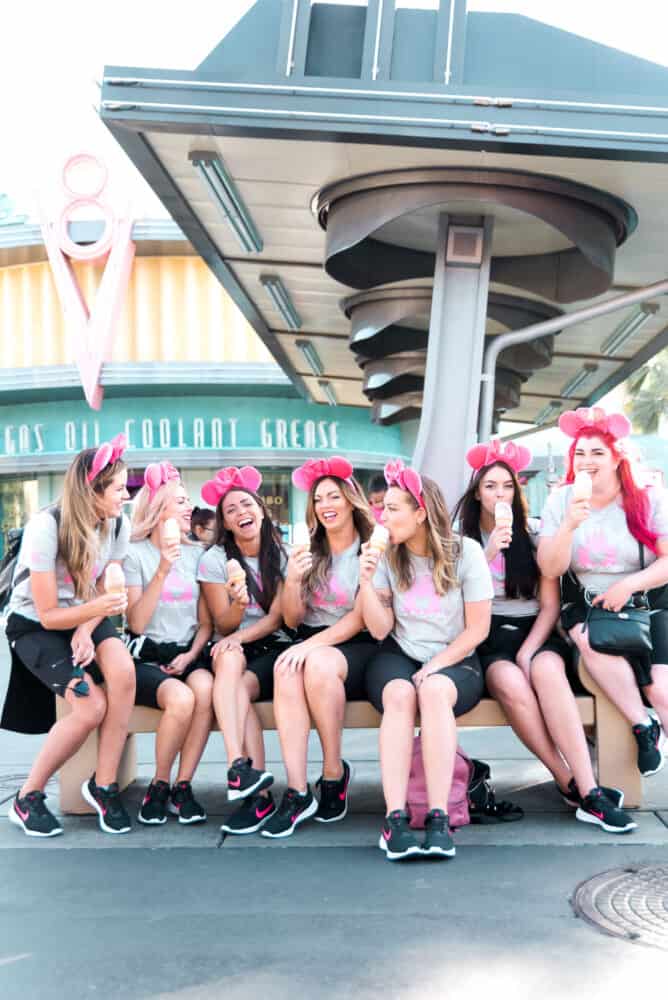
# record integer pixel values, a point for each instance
(620, 633)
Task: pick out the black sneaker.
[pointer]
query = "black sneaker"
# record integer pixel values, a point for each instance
(182, 803)
(251, 815)
(243, 779)
(396, 837)
(293, 810)
(597, 808)
(437, 841)
(33, 817)
(333, 804)
(153, 810)
(572, 796)
(106, 802)
(650, 754)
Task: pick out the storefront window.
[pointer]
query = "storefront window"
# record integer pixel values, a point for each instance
(275, 491)
(19, 500)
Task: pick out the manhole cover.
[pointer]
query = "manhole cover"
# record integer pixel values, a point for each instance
(630, 903)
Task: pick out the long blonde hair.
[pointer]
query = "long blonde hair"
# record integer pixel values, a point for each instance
(443, 547)
(147, 510)
(81, 517)
(322, 557)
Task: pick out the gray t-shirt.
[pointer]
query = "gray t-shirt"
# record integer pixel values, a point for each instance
(39, 553)
(511, 607)
(425, 622)
(175, 617)
(603, 549)
(325, 607)
(213, 569)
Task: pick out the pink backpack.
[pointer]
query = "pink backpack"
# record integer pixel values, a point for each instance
(458, 803)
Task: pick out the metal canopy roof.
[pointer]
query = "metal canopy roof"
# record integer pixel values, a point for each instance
(282, 145)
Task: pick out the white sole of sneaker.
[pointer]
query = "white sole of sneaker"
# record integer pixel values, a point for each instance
(648, 774)
(337, 819)
(150, 822)
(14, 818)
(411, 852)
(173, 811)
(266, 781)
(100, 815)
(586, 817)
(438, 852)
(308, 812)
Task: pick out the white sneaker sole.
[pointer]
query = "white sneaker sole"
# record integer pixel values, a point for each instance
(266, 781)
(585, 817)
(100, 815)
(308, 812)
(173, 811)
(411, 852)
(14, 818)
(438, 852)
(337, 819)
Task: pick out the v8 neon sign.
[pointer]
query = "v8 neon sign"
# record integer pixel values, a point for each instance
(92, 328)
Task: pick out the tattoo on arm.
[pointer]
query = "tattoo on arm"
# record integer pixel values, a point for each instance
(385, 600)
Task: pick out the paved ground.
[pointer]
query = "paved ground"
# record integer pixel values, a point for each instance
(168, 913)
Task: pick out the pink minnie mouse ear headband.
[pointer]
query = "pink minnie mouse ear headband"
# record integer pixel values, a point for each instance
(515, 456)
(396, 474)
(320, 468)
(573, 422)
(231, 478)
(158, 474)
(108, 453)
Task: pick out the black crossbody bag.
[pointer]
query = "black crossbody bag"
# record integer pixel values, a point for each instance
(624, 632)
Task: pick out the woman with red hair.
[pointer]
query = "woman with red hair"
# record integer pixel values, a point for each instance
(609, 541)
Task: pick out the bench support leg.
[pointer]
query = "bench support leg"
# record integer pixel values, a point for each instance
(616, 748)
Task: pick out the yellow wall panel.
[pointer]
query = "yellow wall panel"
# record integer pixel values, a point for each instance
(175, 310)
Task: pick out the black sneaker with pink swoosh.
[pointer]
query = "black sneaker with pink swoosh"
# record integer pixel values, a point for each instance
(32, 816)
(294, 809)
(333, 804)
(397, 839)
(251, 815)
(598, 809)
(243, 779)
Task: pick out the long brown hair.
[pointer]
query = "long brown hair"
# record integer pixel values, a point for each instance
(81, 517)
(522, 574)
(270, 557)
(322, 557)
(443, 547)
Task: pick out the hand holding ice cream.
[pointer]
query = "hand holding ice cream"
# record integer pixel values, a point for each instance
(236, 582)
(301, 560)
(503, 522)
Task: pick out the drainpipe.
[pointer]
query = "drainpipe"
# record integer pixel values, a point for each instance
(541, 329)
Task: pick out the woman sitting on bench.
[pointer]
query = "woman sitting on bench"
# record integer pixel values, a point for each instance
(429, 601)
(326, 667)
(608, 537)
(62, 641)
(241, 576)
(525, 661)
(169, 629)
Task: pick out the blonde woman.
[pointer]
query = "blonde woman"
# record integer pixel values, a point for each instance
(315, 677)
(429, 600)
(170, 628)
(62, 641)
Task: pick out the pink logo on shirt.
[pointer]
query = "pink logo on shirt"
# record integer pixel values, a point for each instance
(336, 596)
(97, 569)
(422, 600)
(176, 589)
(596, 553)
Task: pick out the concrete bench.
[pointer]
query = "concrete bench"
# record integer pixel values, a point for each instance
(615, 746)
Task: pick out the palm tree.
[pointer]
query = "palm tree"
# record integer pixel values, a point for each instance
(647, 395)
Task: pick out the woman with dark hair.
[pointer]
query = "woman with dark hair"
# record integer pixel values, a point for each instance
(525, 661)
(63, 642)
(242, 576)
(428, 600)
(315, 677)
(203, 526)
(610, 546)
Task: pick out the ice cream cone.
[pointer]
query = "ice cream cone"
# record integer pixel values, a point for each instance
(171, 532)
(114, 579)
(503, 514)
(235, 573)
(582, 486)
(301, 537)
(380, 537)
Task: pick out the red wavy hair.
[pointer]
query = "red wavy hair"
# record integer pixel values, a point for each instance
(635, 499)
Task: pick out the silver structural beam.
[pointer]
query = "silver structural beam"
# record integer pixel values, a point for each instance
(540, 330)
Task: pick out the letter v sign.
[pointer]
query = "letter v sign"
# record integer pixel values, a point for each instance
(92, 330)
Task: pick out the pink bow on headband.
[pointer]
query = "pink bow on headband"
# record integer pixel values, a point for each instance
(396, 474)
(515, 456)
(574, 421)
(231, 478)
(319, 468)
(108, 453)
(159, 473)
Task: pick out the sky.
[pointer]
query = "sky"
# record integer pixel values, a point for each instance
(66, 56)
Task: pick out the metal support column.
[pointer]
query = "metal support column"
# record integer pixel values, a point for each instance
(454, 354)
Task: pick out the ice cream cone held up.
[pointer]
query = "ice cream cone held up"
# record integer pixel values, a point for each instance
(379, 539)
(114, 579)
(582, 486)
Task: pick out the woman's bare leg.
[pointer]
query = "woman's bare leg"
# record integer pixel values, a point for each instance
(177, 702)
(325, 673)
(293, 722)
(200, 683)
(437, 697)
(396, 741)
(118, 670)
